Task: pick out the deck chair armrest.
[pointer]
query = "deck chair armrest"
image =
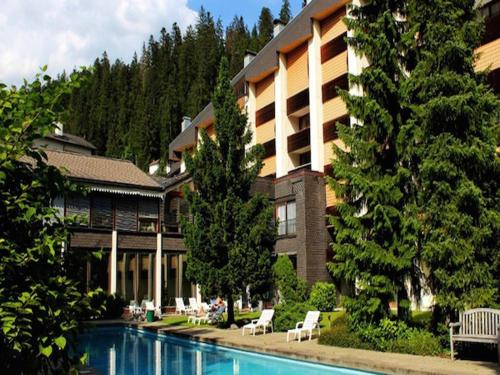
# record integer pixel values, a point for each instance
(254, 321)
(452, 325)
(299, 325)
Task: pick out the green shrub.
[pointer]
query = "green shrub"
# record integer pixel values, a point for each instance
(417, 342)
(339, 335)
(114, 305)
(379, 336)
(323, 296)
(291, 288)
(288, 314)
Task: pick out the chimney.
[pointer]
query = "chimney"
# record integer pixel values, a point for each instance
(59, 129)
(186, 121)
(278, 26)
(249, 55)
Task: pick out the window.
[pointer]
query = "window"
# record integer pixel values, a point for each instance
(286, 214)
(304, 122)
(148, 215)
(305, 158)
(79, 208)
(102, 212)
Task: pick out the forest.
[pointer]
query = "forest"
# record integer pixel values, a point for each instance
(134, 110)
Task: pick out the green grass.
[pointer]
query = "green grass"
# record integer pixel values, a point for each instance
(181, 320)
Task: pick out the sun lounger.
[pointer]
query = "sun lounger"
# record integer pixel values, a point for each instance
(307, 326)
(265, 320)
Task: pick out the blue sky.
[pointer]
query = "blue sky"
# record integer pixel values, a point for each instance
(249, 9)
(65, 34)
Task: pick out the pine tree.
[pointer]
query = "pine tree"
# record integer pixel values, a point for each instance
(237, 42)
(374, 240)
(285, 12)
(266, 27)
(450, 149)
(230, 235)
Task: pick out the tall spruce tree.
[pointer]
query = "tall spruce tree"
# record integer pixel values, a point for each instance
(237, 42)
(373, 241)
(230, 235)
(450, 149)
(285, 12)
(265, 26)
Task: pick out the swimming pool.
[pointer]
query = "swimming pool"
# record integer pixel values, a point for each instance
(129, 351)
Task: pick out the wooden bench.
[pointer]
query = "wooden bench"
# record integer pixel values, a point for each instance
(477, 325)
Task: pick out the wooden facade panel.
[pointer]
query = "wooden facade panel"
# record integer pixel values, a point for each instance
(333, 26)
(173, 244)
(269, 167)
(335, 67)
(297, 71)
(266, 132)
(211, 131)
(489, 56)
(333, 109)
(91, 240)
(269, 148)
(264, 92)
(331, 198)
(297, 102)
(330, 128)
(136, 242)
(331, 88)
(126, 214)
(299, 140)
(333, 48)
(265, 114)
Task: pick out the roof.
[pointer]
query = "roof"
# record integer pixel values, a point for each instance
(99, 169)
(167, 182)
(71, 139)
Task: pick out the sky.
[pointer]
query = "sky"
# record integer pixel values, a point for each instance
(64, 34)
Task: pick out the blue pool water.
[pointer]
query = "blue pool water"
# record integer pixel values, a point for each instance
(128, 351)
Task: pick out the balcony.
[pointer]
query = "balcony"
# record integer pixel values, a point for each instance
(299, 140)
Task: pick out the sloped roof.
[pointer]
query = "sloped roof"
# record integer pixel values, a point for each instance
(71, 139)
(98, 169)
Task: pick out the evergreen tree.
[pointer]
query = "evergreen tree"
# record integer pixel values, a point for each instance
(230, 235)
(237, 42)
(373, 241)
(450, 149)
(254, 40)
(266, 27)
(285, 12)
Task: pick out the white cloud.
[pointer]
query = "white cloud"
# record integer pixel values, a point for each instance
(70, 33)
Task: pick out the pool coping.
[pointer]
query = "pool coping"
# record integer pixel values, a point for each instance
(358, 359)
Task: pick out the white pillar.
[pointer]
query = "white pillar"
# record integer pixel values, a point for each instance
(114, 255)
(198, 294)
(251, 109)
(315, 99)
(281, 118)
(158, 284)
(180, 273)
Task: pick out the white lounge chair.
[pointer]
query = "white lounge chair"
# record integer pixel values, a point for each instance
(307, 326)
(180, 308)
(265, 320)
(193, 304)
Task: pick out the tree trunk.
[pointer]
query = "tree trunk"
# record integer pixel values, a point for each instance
(403, 305)
(230, 310)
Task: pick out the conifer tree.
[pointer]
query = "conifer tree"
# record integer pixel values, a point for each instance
(237, 42)
(373, 241)
(230, 235)
(450, 149)
(266, 27)
(285, 12)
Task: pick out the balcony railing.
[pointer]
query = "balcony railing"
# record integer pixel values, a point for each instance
(299, 140)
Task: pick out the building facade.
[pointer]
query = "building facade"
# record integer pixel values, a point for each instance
(289, 92)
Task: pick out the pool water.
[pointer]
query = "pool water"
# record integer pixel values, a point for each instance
(128, 351)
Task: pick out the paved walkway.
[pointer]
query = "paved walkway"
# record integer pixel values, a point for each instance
(388, 363)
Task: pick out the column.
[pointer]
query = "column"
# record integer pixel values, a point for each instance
(315, 102)
(158, 284)
(198, 294)
(251, 108)
(114, 255)
(180, 273)
(281, 118)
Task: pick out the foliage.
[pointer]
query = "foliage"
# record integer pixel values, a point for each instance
(323, 296)
(114, 305)
(339, 335)
(230, 234)
(290, 313)
(449, 148)
(375, 231)
(417, 342)
(290, 287)
(134, 110)
(285, 12)
(379, 336)
(40, 304)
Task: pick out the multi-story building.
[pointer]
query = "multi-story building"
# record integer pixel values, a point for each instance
(123, 215)
(289, 92)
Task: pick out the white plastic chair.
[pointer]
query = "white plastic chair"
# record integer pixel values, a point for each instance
(180, 308)
(265, 320)
(307, 326)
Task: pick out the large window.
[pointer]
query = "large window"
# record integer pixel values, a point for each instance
(102, 212)
(286, 214)
(148, 215)
(135, 276)
(78, 207)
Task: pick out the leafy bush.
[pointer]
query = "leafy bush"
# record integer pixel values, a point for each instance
(288, 314)
(417, 342)
(290, 287)
(323, 296)
(380, 335)
(339, 335)
(113, 305)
